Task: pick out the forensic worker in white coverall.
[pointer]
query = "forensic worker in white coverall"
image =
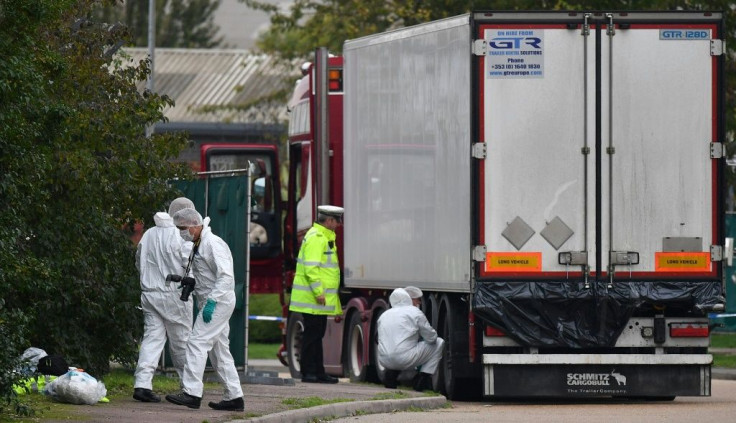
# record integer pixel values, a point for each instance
(212, 268)
(406, 340)
(161, 251)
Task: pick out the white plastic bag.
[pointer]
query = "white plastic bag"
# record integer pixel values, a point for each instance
(30, 357)
(76, 387)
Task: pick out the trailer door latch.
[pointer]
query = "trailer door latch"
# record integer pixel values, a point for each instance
(573, 258)
(623, 258)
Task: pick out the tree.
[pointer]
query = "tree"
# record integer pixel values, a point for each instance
(179, 23)
(77, 169)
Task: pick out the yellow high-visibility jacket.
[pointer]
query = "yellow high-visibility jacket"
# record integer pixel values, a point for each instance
(317, 273)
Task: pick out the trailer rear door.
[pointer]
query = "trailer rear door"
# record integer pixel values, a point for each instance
(601, 134)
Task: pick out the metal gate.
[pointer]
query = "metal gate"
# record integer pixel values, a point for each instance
(224, 197)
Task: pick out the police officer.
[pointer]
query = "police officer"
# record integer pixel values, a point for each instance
(315, 290)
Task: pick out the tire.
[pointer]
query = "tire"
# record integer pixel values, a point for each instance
(294, 331)
(355, 364)
(453, 329)
(377, 372)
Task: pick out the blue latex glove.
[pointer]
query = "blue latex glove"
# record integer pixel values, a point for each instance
(209, 308)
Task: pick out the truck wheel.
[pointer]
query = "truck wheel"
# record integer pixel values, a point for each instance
(294, 331)
(453, 329)
(377, 372)
(445, 378)
(355, 363)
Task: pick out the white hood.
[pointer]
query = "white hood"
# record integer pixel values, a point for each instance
(163, 220)
(400, 298)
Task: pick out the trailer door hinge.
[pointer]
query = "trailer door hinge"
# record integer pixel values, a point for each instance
(480, 47)
(717, 47)
(479, 253)
(717, 150)
(716, 253)
(479, 150)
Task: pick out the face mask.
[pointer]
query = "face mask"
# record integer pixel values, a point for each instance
(186, 236)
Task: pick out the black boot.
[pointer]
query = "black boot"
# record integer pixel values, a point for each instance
(390, 379)
(422, 382)
(325, 378)
(309, 378)
(184, 399)
(145, 395)
(231, 405)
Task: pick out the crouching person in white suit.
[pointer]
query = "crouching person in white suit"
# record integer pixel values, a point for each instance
(406, 340)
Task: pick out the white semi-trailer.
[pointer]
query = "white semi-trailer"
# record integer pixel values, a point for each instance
(552, 181)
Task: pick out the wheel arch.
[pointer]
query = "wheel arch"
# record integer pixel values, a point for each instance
(354, 305)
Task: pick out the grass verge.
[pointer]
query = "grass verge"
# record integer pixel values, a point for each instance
(263, 351)
(119, 384)
(307, 402)
(724, 361)
(723, 340)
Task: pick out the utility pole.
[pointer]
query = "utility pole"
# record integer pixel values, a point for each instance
(151, 52)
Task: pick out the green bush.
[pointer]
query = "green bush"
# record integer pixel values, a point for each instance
(77, 169)
(264, 331)
(12, 332)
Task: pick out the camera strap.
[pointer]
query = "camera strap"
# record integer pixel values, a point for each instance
(191, 257)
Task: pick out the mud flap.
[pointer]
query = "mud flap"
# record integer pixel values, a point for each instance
(503, 380)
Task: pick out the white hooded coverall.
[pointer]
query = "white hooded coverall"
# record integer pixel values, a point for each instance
(213, 271)
(161, 252)
(399, 330)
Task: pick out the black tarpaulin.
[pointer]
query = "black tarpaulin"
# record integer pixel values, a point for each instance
(565, 314)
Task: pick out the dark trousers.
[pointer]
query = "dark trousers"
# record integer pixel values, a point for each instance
(311, 360)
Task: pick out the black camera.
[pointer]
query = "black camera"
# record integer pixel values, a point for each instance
(185, 283)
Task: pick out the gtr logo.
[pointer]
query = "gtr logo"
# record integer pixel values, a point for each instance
(679, 34)
(515, 42)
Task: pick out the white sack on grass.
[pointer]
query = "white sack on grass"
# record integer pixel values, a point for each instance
(76, 387)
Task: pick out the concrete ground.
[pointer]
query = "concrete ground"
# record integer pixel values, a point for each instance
(266, 401)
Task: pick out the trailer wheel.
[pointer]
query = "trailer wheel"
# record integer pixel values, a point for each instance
(454, 330)
(377, 371)
(294, 331)
(356, 363)
(445, 378)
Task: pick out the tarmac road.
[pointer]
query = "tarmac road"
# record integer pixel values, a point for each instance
(720, 407)
(264, 403)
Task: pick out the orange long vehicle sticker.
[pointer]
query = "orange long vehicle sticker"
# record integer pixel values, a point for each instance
(682, 262)
(513, 262)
